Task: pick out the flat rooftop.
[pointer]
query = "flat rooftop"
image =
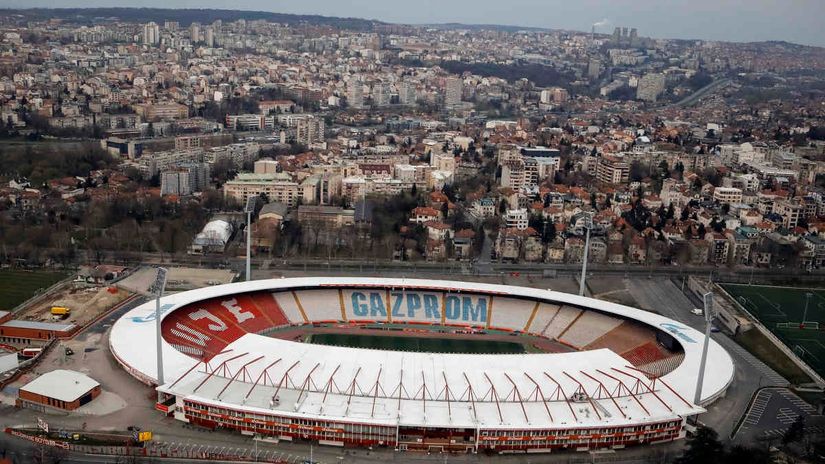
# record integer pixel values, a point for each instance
(61, 385)
(55, 326)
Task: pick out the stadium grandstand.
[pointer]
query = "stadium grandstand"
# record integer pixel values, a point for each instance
(234, 357)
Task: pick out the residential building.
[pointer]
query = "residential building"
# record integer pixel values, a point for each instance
(612, 170)
(276, 188)
(453, 89)
(151, 33)
(650, 87)
(184, 179)
(329, 216)
(516, 219)
(727, 195)
(309, 130)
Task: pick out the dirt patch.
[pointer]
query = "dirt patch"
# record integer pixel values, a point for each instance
(178, 279)
(86, 303)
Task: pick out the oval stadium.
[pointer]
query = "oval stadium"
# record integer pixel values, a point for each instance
(427, 365)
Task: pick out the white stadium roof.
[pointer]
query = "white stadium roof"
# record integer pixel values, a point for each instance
(402, 388)
(61, 384)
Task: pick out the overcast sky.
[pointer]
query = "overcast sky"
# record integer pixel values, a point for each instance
(799, 21)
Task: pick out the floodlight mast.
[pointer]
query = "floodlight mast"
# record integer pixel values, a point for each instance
(588, 224)
(250, 208)
(707, 299)
(808, 296)
(157, 290)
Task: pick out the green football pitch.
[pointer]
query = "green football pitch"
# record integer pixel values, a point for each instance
(418, 344)
(18, 286)
(781, 310)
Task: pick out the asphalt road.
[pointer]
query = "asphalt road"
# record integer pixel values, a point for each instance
(695, 96)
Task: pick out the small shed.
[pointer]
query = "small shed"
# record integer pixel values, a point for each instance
(58, 389)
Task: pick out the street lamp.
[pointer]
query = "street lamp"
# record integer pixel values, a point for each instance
(808, 296)
(588, 224)
(156, 290)
(249, 209)
(707, 299)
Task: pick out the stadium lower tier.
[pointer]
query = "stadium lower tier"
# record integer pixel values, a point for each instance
(207, 327)
(431, 439)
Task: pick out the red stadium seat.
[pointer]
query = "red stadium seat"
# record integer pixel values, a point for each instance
(645, 354)
(268, 306)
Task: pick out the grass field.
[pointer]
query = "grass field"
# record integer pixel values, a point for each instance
(418, 344)
(18, 286)
(781, 310)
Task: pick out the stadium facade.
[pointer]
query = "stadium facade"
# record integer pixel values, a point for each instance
(621, 376)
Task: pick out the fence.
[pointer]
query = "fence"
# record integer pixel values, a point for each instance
(42, 294)
(721, 306)
(166, 450)
(27, 365)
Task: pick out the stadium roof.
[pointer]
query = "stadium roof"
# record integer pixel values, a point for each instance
(387, 387)
(420, 389)
(61, 384)
(37, 325)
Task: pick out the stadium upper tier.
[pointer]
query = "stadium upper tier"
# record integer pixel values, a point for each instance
(632, 367)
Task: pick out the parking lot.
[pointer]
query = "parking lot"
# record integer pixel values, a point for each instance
(772, 412)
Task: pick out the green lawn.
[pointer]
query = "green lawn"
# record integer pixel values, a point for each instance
(418, 344)
(18, 286)
(782, 310)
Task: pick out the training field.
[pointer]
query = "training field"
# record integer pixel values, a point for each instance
(417, 344)
(781, 310)
(18, 286)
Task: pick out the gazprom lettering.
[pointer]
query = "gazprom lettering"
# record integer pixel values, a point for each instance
(420, 306)
(677, 331)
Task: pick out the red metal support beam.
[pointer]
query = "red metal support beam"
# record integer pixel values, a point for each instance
(187, 373)
(447, 395)
(284, 377)
(640, 382)
(305, 383)
(666, 385)
(328, 386)
(471, 394)
(216, 369)
(495, 396)
(625, 387)
(400, 390)
(564, 395)
(424, 392)
(589, 400)
(242, 369)
(541, 394)
(206, 362)
(261, 375)
(601, 385)
(376, 386)
(518, 395)
(351, 388)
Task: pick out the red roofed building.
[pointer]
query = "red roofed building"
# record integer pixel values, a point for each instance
(423, 214)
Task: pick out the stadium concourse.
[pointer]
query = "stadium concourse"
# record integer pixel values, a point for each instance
(629, 376)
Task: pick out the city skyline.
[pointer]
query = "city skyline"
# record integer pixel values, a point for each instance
(758, 20)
